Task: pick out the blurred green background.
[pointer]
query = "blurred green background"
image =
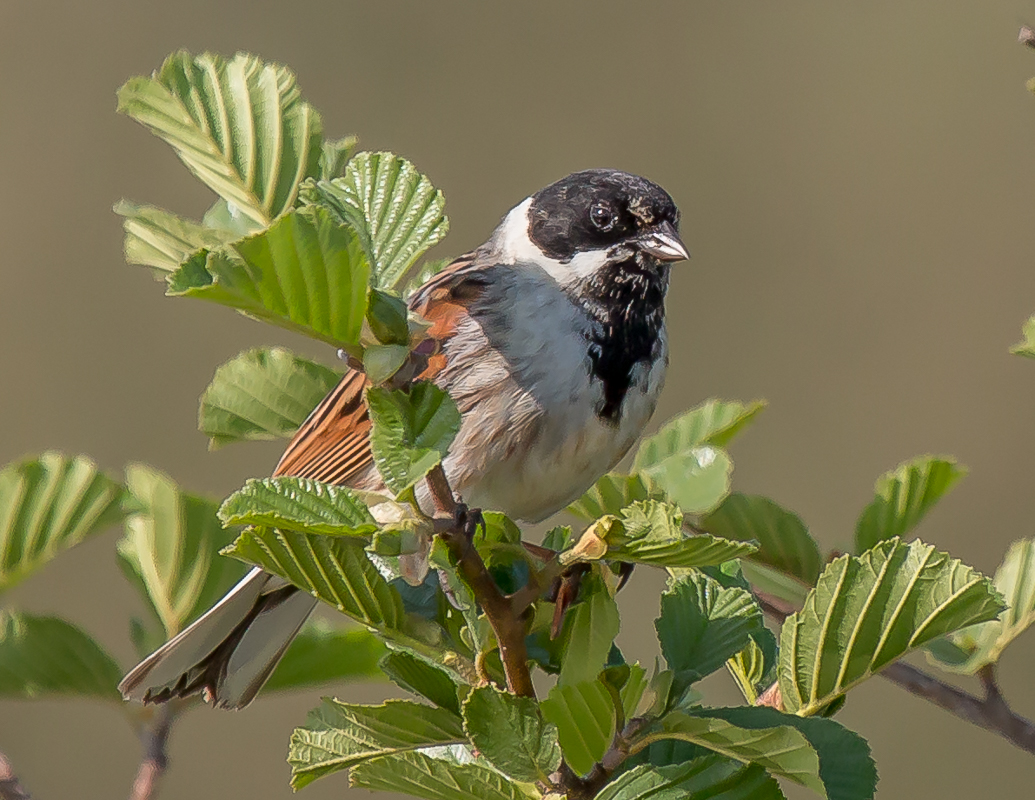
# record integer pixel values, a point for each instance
(857, 183)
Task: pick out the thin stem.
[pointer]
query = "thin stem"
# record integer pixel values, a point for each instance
(505, 617)
(10, 787)
(155, 738)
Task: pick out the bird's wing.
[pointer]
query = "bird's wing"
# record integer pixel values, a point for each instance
(333, 444)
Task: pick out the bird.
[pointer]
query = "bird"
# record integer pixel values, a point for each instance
(549, 337)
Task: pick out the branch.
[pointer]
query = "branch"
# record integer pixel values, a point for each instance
(505, 616)
(577, 788)
(154, 737)
(10, 787)
(991, 712)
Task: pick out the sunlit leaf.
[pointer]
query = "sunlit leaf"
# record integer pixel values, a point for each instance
(262, 394)
(867, 611)
(412, 432)
(421, 775)
(701, 779)
(783, 540)
(46, 656)
(610, 494)
(170, 549)
(1026, 347)
(590, 627)
(754, 667)
(161, 240)
(904, 496)
(416, 675)
(510, 733)
(714, 422)
(49, 504)
(335, 155)
(584, 714)
(304, 273)
(239, 125)
(396, 206)
(298, 504)
(339, 735)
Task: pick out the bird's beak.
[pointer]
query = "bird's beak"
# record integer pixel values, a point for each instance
(663, 242)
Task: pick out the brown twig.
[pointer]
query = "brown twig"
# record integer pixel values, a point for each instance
(991, 712)
(10, 787)
(577, 788)
(505, 616)
(154, 738)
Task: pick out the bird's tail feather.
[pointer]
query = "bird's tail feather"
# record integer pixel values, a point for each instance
(230, 651)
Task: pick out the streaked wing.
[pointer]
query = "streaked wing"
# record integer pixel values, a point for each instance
(333, 444)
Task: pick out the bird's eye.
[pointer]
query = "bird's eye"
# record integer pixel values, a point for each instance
(602, 217)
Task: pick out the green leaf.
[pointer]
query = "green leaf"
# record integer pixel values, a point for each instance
(904, 496)
(509, 732)
(339, 735)
(1026, 347)
(388, 318)
(784, 542)
(227, 219)
(422, 678)
(399, 210)
(46, 656)
(170, 546)
(701, 779)
(161, 240)
(420, 775)
(335, 155)
(298, 504)
(702, 624)
(334, 569)
(304, 273)
(49, 504)
(754, 667)
(262, 394)
(324, 653)
(984, 644)
(382, 361)
(651, 532)
(781, 750)
(590, 628)
(239, 125)
(846, 767)
(412, 432)
(696, 480)
(713, 423)
(775, 583)
(611, 494)
(870, 610)
(584, 714)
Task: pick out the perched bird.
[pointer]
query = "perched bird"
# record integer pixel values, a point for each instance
(550, 338)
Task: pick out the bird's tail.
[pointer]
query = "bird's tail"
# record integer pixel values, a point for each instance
(230, 651)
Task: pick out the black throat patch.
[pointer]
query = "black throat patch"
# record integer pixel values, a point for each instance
(627, 302)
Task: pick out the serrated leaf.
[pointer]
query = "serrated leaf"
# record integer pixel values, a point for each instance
(411, 432)
(170, 549)
(262, 394)
(969, 650)
(339, 735)
(783, 540)
(420, 775)
(846, 767)
(651, 532)
(701, 779)
(904, 496)
(416, 675)
(161, 240)
(714, 422)
(702, 624)
(323, 653)
(781, 749)
(870, 610)
(239, 125)
(584, 714)
(754, 667)
(49, 504)
(46, 656)
(304, 273)
(590, 628)
(510, 733)
(610, 494)
(334, 569)
(400, 211)
(298, 504)
(1026, 347)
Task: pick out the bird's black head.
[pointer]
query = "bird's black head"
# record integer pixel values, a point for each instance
(599, 209)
